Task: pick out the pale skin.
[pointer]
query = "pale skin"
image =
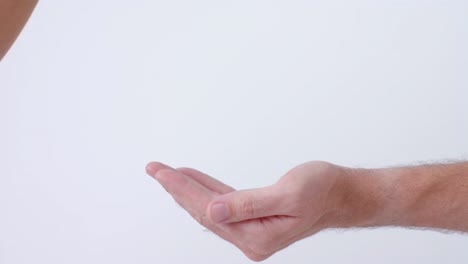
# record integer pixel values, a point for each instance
(318, 195)
(13, 16)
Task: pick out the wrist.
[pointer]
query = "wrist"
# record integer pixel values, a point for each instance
(362, 196)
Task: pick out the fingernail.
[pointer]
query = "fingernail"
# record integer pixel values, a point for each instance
(219, 212)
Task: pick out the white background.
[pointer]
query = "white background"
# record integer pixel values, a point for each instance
(243, 90)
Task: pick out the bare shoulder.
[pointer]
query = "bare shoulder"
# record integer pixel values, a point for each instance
(13, 16)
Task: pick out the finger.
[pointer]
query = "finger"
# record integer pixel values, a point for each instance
(194, 197)
(246, 204)
(207, 181)
(191, 195)
(153, 167)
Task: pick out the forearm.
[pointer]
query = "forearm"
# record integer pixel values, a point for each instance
(13, 17)
(428, 196)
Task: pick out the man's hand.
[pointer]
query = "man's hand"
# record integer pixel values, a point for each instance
(319, 195)
(13, 17)
(258, 221)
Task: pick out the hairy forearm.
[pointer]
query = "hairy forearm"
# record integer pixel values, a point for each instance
(13, 16)
(427, 196)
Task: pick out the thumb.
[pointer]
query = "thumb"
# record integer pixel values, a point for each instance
(246, 204)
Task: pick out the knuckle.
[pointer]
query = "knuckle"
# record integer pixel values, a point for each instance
(247, 208)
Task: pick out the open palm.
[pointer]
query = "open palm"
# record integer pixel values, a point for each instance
(258, 221)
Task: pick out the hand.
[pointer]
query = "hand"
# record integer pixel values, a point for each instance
(259, 221)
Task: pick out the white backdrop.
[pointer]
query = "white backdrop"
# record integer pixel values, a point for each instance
(243, 90)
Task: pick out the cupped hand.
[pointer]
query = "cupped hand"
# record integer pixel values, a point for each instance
(258, 221)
